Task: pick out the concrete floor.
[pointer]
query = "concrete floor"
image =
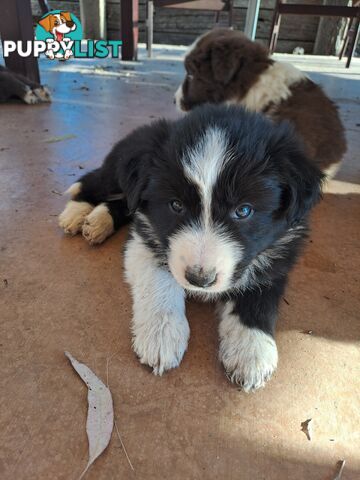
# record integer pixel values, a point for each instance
(59, 294)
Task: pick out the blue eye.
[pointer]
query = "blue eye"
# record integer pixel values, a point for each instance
(243, 211)
(176, 206)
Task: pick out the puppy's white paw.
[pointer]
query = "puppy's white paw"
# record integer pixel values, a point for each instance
(30, 98)
(161, 343)
(43, 94)
(72, 218)
(249, 355)
(99, 225)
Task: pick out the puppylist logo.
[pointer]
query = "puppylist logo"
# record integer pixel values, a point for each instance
(59, 36)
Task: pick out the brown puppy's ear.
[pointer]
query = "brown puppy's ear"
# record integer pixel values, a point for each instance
(46, 23)
(225, 61)
(229, 55)
(67, 16)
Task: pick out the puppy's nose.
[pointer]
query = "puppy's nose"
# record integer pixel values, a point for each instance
(199, 278)
(70, 23)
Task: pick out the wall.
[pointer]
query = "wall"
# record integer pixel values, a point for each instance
(182, 27)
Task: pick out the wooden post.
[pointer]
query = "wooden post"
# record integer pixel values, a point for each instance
(353, 42)
(93, 19)
(329, 33)
(16, 24)
(275, 27)
(252, 14)
(150, 27)
(129, 28)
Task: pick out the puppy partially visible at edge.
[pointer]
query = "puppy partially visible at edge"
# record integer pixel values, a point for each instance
(220, 202)
(13, 85)
(224, 66)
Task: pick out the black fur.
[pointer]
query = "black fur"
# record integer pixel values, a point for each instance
(268, 169)
(16, 86)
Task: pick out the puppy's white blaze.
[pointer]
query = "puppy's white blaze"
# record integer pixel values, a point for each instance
(179, 95)
(273, 86)
(159, 326)
(74, 189)
(208, 248)
(204, 163)
(249, 355)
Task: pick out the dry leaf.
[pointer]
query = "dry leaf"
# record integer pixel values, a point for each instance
(60, 138)
(306, 427)
(100, 419)
(339, 470)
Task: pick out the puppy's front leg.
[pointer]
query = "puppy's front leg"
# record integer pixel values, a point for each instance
(247, 347)
(159, 326)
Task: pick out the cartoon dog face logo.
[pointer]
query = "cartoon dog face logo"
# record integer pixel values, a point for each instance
(59, 25)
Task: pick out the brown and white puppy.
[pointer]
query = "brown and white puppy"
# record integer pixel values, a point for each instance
(225, 66)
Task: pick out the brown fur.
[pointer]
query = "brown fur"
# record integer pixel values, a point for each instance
(316, 119)
(225, 65)
(49, 22)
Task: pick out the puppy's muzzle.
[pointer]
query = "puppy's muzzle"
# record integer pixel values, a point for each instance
(198, 277)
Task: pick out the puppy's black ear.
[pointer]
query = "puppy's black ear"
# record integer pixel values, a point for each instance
(133, 158)
(301, 182)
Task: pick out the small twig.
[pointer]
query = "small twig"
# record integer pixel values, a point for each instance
(116, 427)
(123, 446)
(339, 469)
(287, 303)
(56, 192)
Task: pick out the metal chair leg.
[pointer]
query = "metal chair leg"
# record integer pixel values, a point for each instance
(346, 39)
(353, 42)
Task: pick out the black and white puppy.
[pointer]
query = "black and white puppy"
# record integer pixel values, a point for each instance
(13, 85)
(219, 201)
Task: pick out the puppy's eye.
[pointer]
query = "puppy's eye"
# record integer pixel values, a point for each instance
(56, 23)
(176, 206)
(242, 212)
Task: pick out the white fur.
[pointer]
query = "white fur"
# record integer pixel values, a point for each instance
(331, 171)
(159, 325)
(99, 225)
(205, 245)
(249, 355)
(179, 95)
(272, 86)
(208, 248)
(43, 93)
(72, 218)
(74, 189)
(31, 98)
(204, 163)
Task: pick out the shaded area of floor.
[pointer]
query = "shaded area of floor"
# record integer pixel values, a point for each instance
(59, 294)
